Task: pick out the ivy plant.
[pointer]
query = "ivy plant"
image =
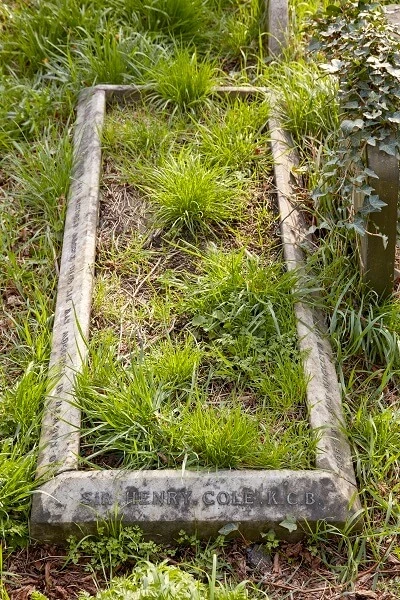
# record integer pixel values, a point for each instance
(363, 51)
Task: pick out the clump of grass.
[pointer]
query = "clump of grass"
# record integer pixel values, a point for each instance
(193, 195)
(234, 437)
(376, 436)
(307, 100)
(145, 137)
(184, 20)
(43, 177)
(236, 136)
(224, 437)
(170, 583)
(240, 30)
(115, 56)
(183, 81)
(175, 364)
(126, 413)
(20, 422)
(37, 31)
(27, 108)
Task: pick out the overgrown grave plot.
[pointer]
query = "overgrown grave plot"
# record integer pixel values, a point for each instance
(183, 398)
(200, 316)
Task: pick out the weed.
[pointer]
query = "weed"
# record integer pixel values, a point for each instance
(198, 556)
(112, 546)
(168, 583)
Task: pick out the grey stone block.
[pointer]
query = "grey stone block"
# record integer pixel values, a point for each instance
(164, 502)
(392, 12)
(278, 25)
(377, 257)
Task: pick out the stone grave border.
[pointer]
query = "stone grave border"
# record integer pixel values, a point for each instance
(162, 502)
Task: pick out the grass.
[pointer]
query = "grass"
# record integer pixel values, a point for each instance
(185, 20)
(236, 136)
(183, 81)
(205, 342)
(188, 368)
(189, 194)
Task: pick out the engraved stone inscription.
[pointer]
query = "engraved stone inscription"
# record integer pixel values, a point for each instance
(184, 498)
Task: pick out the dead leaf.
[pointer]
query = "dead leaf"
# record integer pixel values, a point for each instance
(277, 567)
(47, 577)
(13, 301)
(294, 549)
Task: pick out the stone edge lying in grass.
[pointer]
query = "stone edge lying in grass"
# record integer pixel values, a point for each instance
(87, 502)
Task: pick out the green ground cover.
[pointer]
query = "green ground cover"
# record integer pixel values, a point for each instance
(49, 50)
(195, 353)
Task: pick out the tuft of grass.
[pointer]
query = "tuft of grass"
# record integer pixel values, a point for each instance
(183, 81)
(166, 582)
(43, 177)
(307, 101)
(183, 20)
(240, 31)
(190, 194)
(233, 437)
(175, 365)
(146, 137)
(236, 136)
(115, 57)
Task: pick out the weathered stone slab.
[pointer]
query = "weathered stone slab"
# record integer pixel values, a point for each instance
(163, 502)
(323, 392)
(61, 422)
(278, 25)
(378, 257)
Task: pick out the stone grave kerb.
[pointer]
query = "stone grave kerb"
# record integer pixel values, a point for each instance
(163, 502)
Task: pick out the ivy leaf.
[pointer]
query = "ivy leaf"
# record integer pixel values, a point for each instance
(371, 204)
(395, 118)
(366, 189)
(289, 523)
(371, 173)
(358, 225)
(229, 528)
(352, 104)
(349, 126)
(332, 67)
(389, 148)
(393, 71)
(372, 115)
(376, 203)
